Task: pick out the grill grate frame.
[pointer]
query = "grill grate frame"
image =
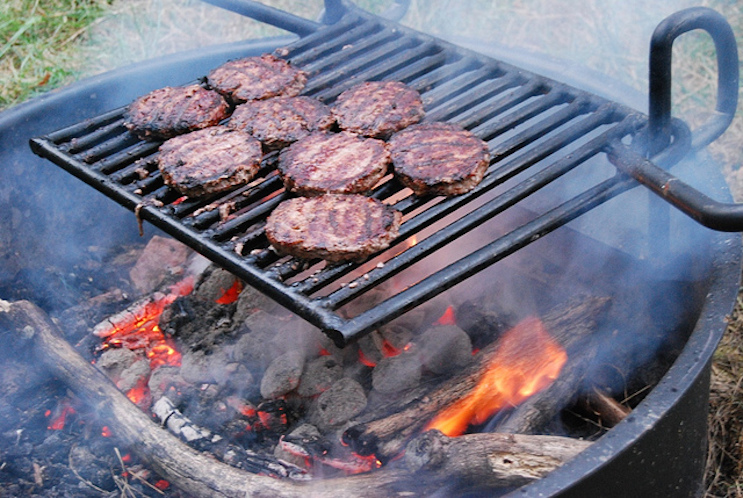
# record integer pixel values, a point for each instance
(537, 129)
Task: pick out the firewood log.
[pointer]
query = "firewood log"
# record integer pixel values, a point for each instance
(487, 460)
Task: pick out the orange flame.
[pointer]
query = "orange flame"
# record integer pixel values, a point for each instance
(527, 361)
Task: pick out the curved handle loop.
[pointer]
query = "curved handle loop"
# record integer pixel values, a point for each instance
(661, 46)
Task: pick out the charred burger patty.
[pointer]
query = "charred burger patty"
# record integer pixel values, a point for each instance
(209, 161)
(378, 108)
(338, 163)
(332, 227)
(170, 111)
(439, 158)
(280, 121)
(255, 78)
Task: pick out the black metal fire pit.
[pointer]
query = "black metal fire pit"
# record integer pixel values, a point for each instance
(657, 451)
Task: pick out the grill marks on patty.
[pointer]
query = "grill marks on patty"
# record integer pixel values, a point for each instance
(340, 163)
(439, 158)
(332, 227)
(280, 121)
(170, 111)
(378, 108)
(255, 78)
(209, 161)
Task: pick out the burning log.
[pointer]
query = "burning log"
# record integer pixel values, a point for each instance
(385, 431)
(487, 460)
(192, 471)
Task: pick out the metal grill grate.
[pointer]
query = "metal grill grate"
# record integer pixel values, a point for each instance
(537, 129)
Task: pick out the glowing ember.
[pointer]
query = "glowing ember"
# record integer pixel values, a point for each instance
(105, 431)
(527, 361)
(140, 394)
(137, 328)
(366, 361)
(230, 295)
(389, 349)
(162, 484)
(448, 318)
(58, 422)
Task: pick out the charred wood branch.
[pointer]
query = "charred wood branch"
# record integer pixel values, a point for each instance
(487, 460)
(205, 440)
(608, 410)
(385, 433)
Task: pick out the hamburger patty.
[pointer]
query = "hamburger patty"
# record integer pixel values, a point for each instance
(170, 111)
(333, 163)
(255, 78)
(209, 161)
(378, 108)
(439, 158)
(332, 227)
(279, 121)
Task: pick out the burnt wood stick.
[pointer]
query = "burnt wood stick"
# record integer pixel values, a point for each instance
(385, 433)
(487, 460)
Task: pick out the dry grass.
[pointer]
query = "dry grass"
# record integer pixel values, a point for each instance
(134, 30)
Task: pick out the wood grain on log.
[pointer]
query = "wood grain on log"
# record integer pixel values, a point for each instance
(488, 460)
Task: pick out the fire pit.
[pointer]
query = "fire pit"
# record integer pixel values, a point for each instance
(668, 423)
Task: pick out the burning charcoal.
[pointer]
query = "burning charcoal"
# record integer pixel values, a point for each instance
(198, 367)
(216, 285)
(343, 401)
(444, 348)
(160, 258)
(165, 379)
(484, 325)
(251, 300)
(196, 324)
(396, 373)
(370, 352)
(113, 361)
(396, 336)
(134, 376)
(282, 375)
(319, 374)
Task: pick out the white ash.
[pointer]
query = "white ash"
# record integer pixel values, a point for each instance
(282, 375)
(319, 374)
(397, 373)
(344, 400)
(160, 258)
(165, 379)
(444, 348)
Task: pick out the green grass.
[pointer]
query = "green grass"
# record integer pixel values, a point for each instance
(38, 44)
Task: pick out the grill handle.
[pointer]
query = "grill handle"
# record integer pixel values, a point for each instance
(661, 44)
(724, 217)
(333, 11)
